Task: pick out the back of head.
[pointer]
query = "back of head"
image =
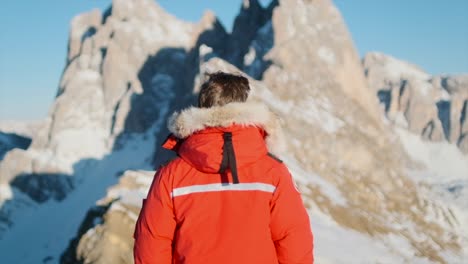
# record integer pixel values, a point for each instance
(223, 88)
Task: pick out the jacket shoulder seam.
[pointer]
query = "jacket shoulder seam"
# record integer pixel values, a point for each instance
(271, 155)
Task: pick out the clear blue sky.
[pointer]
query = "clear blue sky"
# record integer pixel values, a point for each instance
(33, 39)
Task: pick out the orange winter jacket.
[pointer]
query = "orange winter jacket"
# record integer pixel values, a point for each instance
(224, 199)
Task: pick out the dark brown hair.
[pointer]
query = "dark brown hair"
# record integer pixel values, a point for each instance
(222, 88)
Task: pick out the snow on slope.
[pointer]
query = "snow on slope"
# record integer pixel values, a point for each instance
(338, 245)
(334, 243)
(445, 171)
(25, 239)
(444, 161)
(329, 236)
(397, 69)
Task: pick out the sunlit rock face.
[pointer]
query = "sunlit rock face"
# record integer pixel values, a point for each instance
(434, 107)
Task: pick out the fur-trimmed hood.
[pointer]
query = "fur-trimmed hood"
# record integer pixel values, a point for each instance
(191, 120)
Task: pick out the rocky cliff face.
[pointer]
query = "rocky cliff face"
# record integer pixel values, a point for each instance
(131, 66)
(434, 107)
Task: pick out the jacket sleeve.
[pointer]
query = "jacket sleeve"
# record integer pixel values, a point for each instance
(154, 230)
(290, 225)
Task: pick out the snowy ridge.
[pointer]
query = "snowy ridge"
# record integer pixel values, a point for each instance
(397, 69)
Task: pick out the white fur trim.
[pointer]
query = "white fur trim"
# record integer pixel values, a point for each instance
(194, 119)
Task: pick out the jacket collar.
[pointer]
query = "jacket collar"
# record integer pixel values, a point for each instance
(193, 119)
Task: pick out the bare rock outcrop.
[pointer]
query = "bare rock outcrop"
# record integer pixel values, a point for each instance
(431, 106)
(105, 235)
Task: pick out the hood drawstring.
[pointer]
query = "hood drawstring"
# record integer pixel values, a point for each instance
(229, 157)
